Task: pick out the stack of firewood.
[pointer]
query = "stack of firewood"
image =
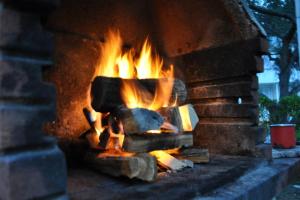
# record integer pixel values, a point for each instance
(136, 142)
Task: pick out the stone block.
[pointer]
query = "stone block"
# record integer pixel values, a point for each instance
(21, 125)
(32, 174)
(226, 138)
(237, 89)
(232, 60)
(263, 151)
(226, 110)
(23, 32)
(24, 80)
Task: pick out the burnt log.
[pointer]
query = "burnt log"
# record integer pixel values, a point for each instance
(106, 91)
(142, 166)
(138, 120)
(149, 142)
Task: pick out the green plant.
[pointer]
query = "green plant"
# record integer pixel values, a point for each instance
(298, 134)
(287, 110)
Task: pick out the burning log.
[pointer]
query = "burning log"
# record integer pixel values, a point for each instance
(149, 141)
(138, 120)
(141, 166)
(167, 161)
(107, 96)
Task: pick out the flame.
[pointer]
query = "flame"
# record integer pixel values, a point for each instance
(130, 66)
(110, 54)
(146, 65)
(125, 63)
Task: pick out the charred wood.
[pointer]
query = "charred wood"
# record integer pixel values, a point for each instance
(106, 94)
(138, 120)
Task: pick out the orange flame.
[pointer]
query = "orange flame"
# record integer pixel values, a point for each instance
(131, 65)
(147, 65)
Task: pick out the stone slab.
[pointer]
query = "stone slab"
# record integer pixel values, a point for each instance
(265, 182)
(286, 153)
(237, 89)
(226, 110)
(225, 177)
(232, 60)
(84, 184)
(32, 174)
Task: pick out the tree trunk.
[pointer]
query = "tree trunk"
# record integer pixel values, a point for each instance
(285, 70)
(284, 77)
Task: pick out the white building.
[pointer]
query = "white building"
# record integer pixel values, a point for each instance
(269, 80)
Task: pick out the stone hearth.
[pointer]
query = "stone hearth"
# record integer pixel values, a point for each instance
(225, 177)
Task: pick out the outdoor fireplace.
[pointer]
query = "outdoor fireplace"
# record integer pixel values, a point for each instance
(215, 52)
(214, 48)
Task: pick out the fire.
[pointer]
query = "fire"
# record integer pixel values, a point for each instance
(129, 65)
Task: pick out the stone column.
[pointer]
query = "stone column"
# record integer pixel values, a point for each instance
(31, 165)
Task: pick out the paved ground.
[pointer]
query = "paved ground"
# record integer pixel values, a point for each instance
(292, 192)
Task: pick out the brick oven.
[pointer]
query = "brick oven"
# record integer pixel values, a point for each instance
(215, 47)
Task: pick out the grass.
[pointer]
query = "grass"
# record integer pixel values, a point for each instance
(298, 134)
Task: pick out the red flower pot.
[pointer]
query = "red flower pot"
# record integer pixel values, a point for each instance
(283, 135)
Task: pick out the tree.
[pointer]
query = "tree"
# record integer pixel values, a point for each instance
(278, 19)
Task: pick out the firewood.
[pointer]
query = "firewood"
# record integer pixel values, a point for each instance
(189, 117)
(106, 94)
(167, 161)
(138, 120)
(150, 142)
(183, 117)
(197, 155)
(141, 166)
(172, 115)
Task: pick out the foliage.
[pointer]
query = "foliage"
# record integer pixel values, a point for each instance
(287, 110)
(275, 26)
(278, 19)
